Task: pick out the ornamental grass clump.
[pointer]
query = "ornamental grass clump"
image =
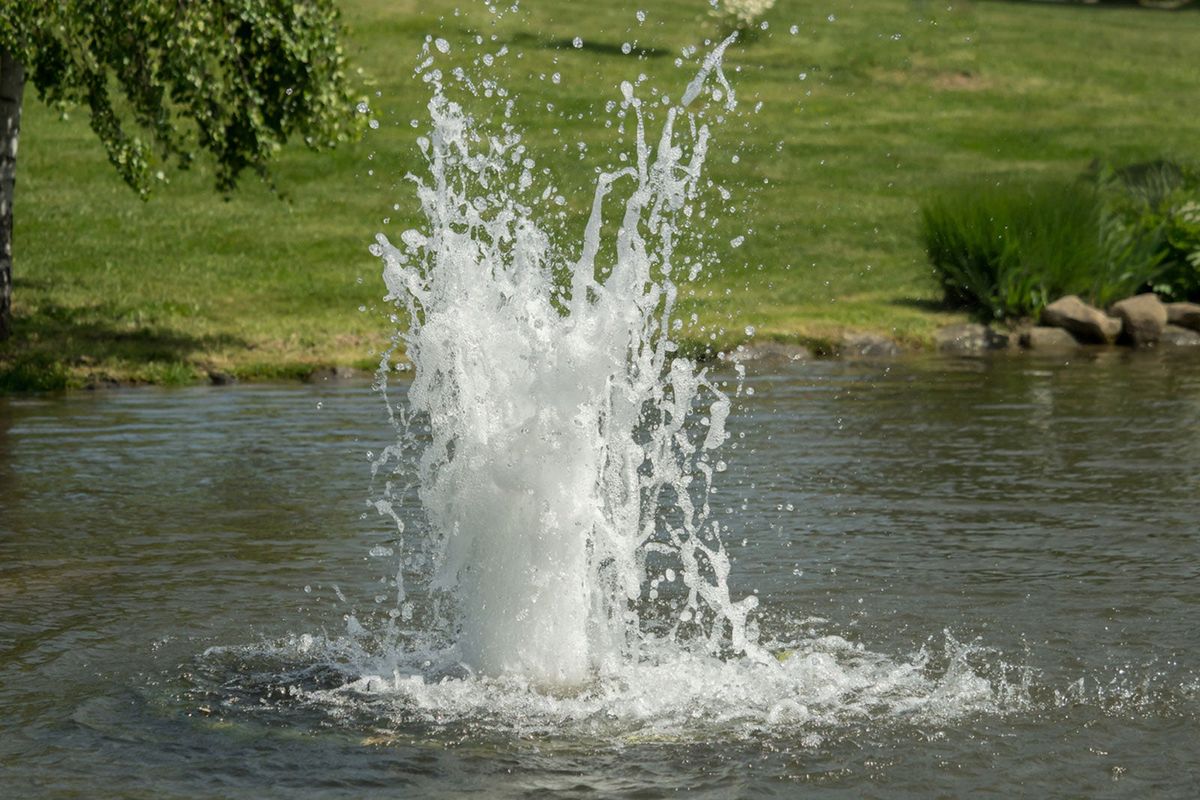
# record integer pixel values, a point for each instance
(1007, 249)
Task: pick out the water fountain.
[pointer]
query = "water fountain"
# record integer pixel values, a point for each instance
(561, 417)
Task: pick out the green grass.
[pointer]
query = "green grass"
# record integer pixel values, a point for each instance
(899, 100)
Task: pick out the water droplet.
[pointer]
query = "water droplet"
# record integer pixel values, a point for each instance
(362, 107)
(750, 330)
(641, 16)
(577, 42)
(442, 45)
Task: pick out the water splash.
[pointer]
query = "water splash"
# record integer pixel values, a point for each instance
(821, 685)
(565, 456)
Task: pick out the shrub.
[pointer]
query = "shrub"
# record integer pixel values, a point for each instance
(33, 372)
(1181, 279)
(1161, 200)
(1008, 249)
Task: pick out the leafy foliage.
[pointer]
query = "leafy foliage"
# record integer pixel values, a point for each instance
(34, 372)
(162, 79)
(1007, 250)
(1161, 200)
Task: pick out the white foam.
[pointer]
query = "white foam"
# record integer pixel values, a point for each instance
(823, 682)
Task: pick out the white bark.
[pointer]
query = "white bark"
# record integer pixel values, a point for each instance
(12, 86)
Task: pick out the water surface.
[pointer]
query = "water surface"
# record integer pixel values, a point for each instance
(1032, 524)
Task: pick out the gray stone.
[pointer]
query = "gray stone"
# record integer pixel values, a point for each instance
(969, 339)
(1046, 338)
(1143, 318)
(868, 344)
(1177, 336)
(218, 378)
(1185, 315)
(1084, 322)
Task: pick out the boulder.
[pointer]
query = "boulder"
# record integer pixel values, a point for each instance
(867, 344)
(1185, 315)
(969, 339)
(1142, 318)
(1045, 338)
(1179, 336)
(1084, 322)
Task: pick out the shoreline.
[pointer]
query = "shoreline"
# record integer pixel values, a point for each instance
(853, 346)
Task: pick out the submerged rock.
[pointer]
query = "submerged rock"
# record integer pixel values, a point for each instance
(1086, 323)
(1185, 315)
(969, 339)
(1179, 336)
(867, 344)
(1046, 338)
(1143, 319)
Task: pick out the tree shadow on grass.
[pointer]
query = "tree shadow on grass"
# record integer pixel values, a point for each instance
(926, 304)
(50, 340)
(941, 306)
(606, 48)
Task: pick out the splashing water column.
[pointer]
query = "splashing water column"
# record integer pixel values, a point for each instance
(559, 416)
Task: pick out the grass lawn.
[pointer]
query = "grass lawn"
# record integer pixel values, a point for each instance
(867, 107)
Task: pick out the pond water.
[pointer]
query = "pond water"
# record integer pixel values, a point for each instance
(1021, 536)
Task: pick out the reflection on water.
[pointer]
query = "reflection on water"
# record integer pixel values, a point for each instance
(160, 552)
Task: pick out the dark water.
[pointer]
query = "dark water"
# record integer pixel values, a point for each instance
(1048, 513)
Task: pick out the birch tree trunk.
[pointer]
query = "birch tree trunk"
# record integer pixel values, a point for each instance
(12, 86)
